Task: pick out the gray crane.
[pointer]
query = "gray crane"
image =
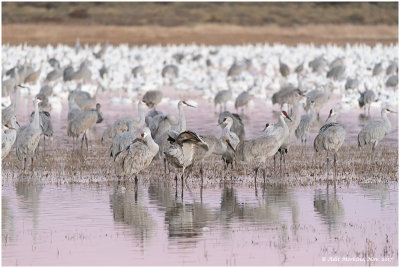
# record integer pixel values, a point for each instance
(377, 69)
(305, 124)
(122, 140)
(121, 125)
(101, 52)
(182, 150)
(152, 98)
(283, 68)
(330, 138)
(8, 113)
(28, 138)
(286, 94)
(299, 68)
(136, 156)
(318, 64)
(279, 130)
(238, 67)
(366, 98)
(8, 138)
(229, 156)
(53, 62)
(392, 81)
(242, 100)
(392, 68)
(237, 127)
(351, 83)
(73, 108)
(138, 71)
(337, 72)
(33, 76)
(45, 124)
(55, 74)
(160, 124)
(222, 97)
(82, 122)
(373, 132)
(170, 72)
(150, 115)
(319, 97)
(103, 71)
(336, 62)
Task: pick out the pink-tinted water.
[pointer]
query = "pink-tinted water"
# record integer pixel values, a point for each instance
(99, 224)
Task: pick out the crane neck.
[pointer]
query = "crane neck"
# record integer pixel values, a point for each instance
(151, 143)
(283, 123)
(331, 119)
(386, 120)
(141, 115)
(16, 97)
(182, 118)
(35, 122)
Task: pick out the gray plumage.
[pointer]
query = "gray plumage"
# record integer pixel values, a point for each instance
(392, 81)
(229, 155)
(28, 138)
(318, 64)
(243, 98)
(392, 68)
(101, 52)
(299, 68)
(377, 69)
(178, 57)
(53, 62)
(103, 71)
(8, 113)
(45, 123)
(366, 98)
(283, 68)
(330, 138)
(122, 141)
(222, 97)
(161, 124)
(351, 83)
(373, 132)
(54, 74)
(33, 76)
(138, 71)
(150, 115)
(7, 139)
(152, 98)
(305, 125)
(286, 94)
(137, 156)
(238, 67)
(237, 126)
(170, 71)
(336, 62)
(336, 72)
(83, 99)
(319, 97)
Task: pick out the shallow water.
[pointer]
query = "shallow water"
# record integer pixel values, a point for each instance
(107, 224)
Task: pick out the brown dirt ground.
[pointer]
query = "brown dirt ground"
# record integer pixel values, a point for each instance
(209, 34)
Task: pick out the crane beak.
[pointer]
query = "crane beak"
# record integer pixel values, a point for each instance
(17, 123)
(288, 118)
(264, 129)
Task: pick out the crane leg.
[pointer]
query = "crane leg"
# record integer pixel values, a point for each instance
(136, 180)
(201, 172)
(183, 172)
(24, 163)
(83, 137)
(44, 143)
(31, 163)
(327, 165)
(165, 165)
(274, 161)
(255, 177)
(176, 185)
(334, 163)
(264, 175)
(86, 140)
(280, 163)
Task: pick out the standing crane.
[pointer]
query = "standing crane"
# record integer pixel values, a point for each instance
(8, 113)
(136, 156)
(28, 138)
(330, 138)
(305, 124)
(283, 68)
(8, 138)
(152, 98)
(229, 156)
(373, 132)
(222, 97)
(366, 98)
(237, 126)
(83, 122)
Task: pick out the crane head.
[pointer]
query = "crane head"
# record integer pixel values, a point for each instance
(284, 114)
(390, 111)
(266, 126)
(187, 104)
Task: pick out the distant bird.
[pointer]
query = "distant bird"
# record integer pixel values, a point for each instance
(373, 132)
(138, 71)
(103, 71)
(286, 94)
(336, 62)
(306, 121)
(336, 72)
(366, 98)
(152, 98)
(45, 124)
(377, 69)
(82, 122)
(74, 109)
(28, 138)
(83, 98)
(7, 140)
(299, 68)
(392, 68)
(170, 72)
(8, 113)
(160, 124)
(318, 64)
(33, 77)
(330, 138)
(222, 97)
(182, 149)
(121, 125)
(238, 67)
(237, 126)
(101, 52)
(150, 115)
(283, 68)
(319, 97)
(178, 57)
(122, 140)
(279, 130)
(53, 62)
(242, 100)
(136, 157)
(55, 74)
(256, 151)
(392, 81)
(351, 83)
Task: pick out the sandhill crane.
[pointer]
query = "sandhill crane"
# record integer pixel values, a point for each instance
(257, 151)
(55, 74)
(299, 68)
(122, 140)
(392, 81)
(101, 52)
(7, 139)
(238, 67)
(319, 97)
(366, 98)
(392, 68)
(28, 138)
(74, 109)
(279, 130)
(318, 64)
(82, 122)
(237, 127)
(121, 125)
(377, 69)
(170, 72)
(243, 98)
(138, 71)
(10, 111)
(150, 115)
(33, 77)
(336, 62)
(330, 138)
(222, 97)
(103, 71)
(181, 152)
(162, 138)
(283, 68)
(83, 98)
(152, 98)
(373, 132)
(160, 124)
(286, 94)
(234, 140)
(351, 83)
(45, 124)
(305, 124)
(337, 72)
(53, 62)
(178, 57)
